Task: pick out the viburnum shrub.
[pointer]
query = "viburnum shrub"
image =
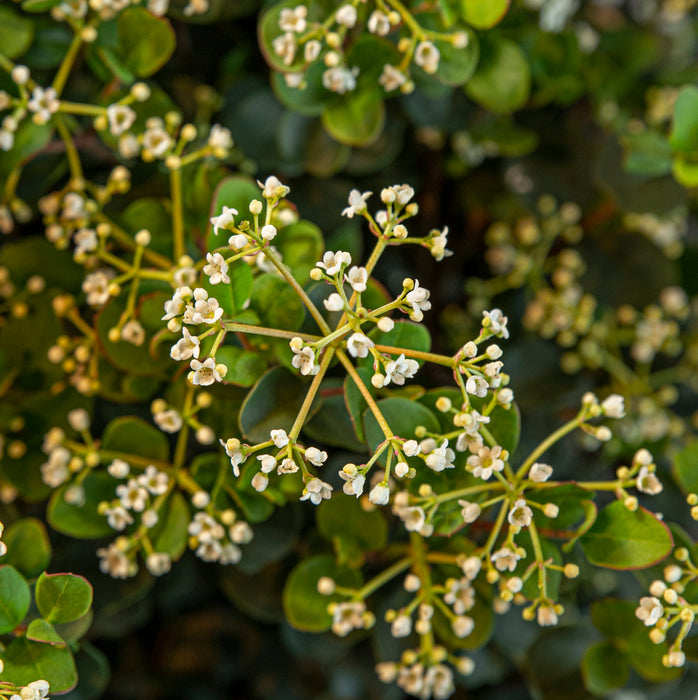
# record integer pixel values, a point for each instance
(193, 374)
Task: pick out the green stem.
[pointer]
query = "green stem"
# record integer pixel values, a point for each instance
(496, 528)
(177, 212)
(418, 355)
(272, 332)
(549, 442)
(387, 432)
(468, 491)
(67, 64)
(538, 552)
(71, 151)
(377, 581)
(77, 108)
(310, 396)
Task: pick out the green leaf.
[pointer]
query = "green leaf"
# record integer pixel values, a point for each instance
(130, 435)
(26, 661)
(684, 128)
(16, 32)
(309, 101)
(604, 668)
(405, 334)
(343, 516)
(83, 522)
(39, 5)
(93, 672)
(333, 425)
(170, 534)
(502, 80)
(29, 138)
(28, 547)
(273, 403)
(232, 297)
(685, 469)
(276, 303)
(624, 539)
(357, 118)
(305, 608)
(403, 416)
(41, 630)
(685, 170)
(484, 14)
(245, 367)
(456, 66)
(268, 29)
(62, 597)
(235, 192)
(647, 153)
(14, 599)
(146, 42)
(300, 245)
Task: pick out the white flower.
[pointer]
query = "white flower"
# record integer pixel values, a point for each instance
(119, 469)
(293, 19)
(477, 386)
(347, 617)
(7, 140)
(315, 456)
(398, 370)
(391, 78)
(613, 406)
(359, 344)
(157, 142)
(85, 241)
(272, 188)
(121, 119)
(304, 359)
(168, 421)
(205, 372)
(496, 322)
(216, 269)
(315, 490)
(118, 517)
(540, 472)
(413, 517)
(220, 137)
(427, 56)
(158, 563)
(132, 495)
(186, 347)
(401, 626)
(505, 559)
(154, 480)
(114, 562)
(334, 302)
(647, 482)
(411, 448)
(285, 47)
(354, 480)
(462, 626)
(232, 449)
(211, 551)
(486, 461)
(268, 232)
(650, 610)
(205, 311)
(287, 466)
(380, 495)
(332, 263)
(378, 23)
(357, 203)
(357, 277)
(470, 511)
(224, 220)
(133, 332)
(520, 515)
(279, 437)
(312, 50)
(346, 15)
(339, 79)
(546, 616)
(96, 287)
(205, 528)
(438, 245)
(241, 533)
(418, 299)
(441, 458)
(267, 463)
(43, 103)
(260, 482)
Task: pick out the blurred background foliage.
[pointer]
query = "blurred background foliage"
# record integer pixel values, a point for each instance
(588, 105)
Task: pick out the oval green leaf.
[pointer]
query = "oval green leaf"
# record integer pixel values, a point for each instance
(26, 661)
(28, 547)
(484, 14)
(14, 599)
(357, 118)
(62, 597)
(624, 539)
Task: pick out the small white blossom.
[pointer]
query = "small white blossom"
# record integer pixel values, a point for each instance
(332, 263)
(158, 563)
(118, 517)
(121, 119)
(267, 463)
(441, 458)
(279, 437)
(272, 188)
(357, 277)
(396, 371)
(334, 302)
(505, 559)
(316, 490)
(520, 514)
(119, 469)
(357, 203)
(186, 347)
(380, 495)
(650, 610)
(155, 481)
(470, 511)
(613, 406)
(224, 220)
(496, 322)
(647, 482)
(293, 19)
(346, 15)
(43, 103)
(205, 373)
(427, 56)
(217, 269)
(347, 617)
(392, 78)
(157, 142)
(418, 299)
(220, 137)
(315, 456)
(354, 480)
(169, 421)
(114, 562)
(540, 472)
(304, 359)
(132, 495)
(359, 344)
(340, 79)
